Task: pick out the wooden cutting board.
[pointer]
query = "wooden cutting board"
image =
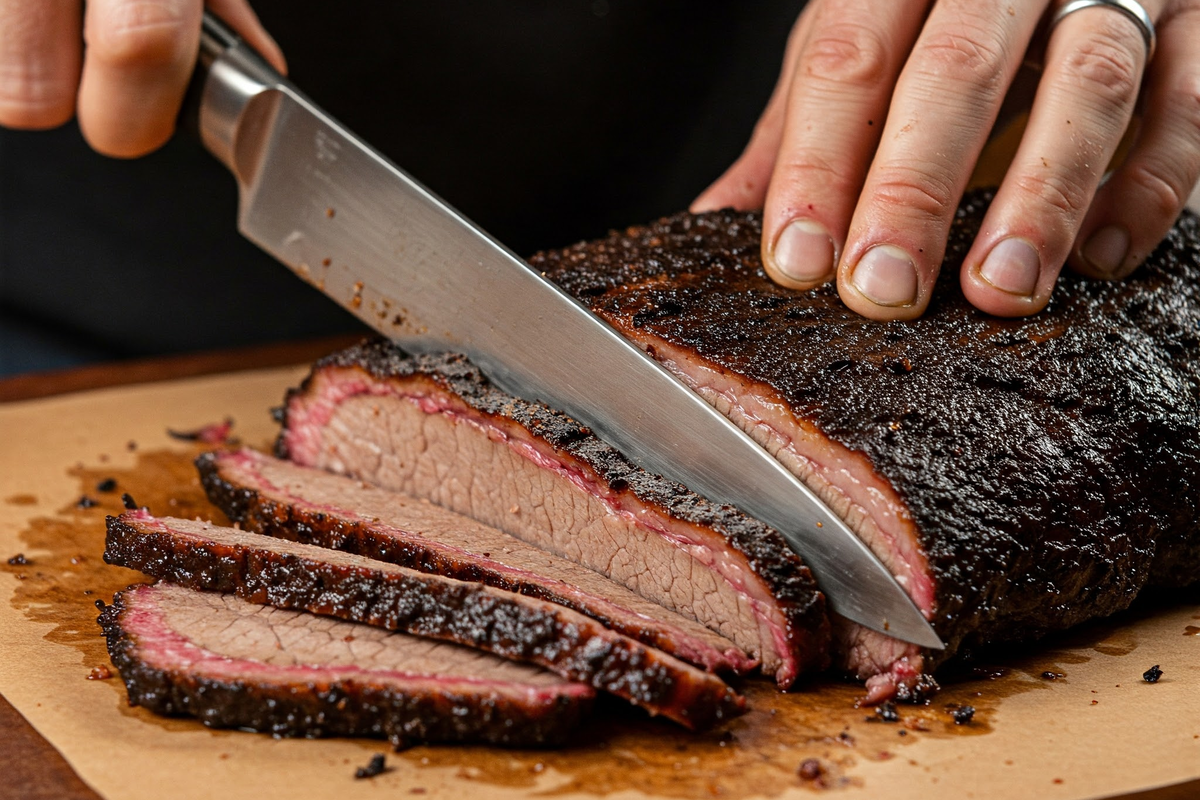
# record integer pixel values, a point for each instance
(1071, 718)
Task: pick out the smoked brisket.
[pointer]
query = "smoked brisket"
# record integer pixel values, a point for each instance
(1020, 476)
(235, 664)
(279, 498)
(432, 426)
(285, 574)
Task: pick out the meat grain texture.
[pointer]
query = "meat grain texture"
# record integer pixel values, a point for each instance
(291, 575)
(278, 498)
(236, 664)
(433, 427)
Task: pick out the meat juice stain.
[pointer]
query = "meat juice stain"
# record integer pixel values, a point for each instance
(68, 574)
(619, 749)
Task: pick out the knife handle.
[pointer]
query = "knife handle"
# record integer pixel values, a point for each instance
(230, 81)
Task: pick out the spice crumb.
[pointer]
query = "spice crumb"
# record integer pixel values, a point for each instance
(810, 769)
(19, 560)
(376, 766)
(886, 712)
(963, 715)
(100, 673)
(1152, 675)
(86, 502)
(107, 485)
(1052, 676)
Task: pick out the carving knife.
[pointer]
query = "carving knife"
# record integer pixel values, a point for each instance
(344, 218)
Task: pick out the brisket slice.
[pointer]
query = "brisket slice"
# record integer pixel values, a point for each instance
(432, 426)
(200, 555)
(235, 664)
(1019, 476)
(279, 498)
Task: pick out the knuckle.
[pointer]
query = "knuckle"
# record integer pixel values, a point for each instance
(1186, 99)
(847, 52)
(1105, 66)
(30, 100)
(922, 193)
(142, 33)
(1054, 191)
(1162, 187)
(809, 169)
(972, 53)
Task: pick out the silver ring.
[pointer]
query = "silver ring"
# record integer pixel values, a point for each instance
(1130, 8)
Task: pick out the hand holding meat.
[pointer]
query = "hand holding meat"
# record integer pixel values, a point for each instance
(883, 107)
(127, 84)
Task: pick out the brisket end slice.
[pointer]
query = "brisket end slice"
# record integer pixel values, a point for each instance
(1019, 476)
(432, 426)
(291, 575)
(234, 664)
(279, 498)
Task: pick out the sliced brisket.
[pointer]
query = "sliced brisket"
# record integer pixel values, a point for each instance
(433, 427)
(1018, 475)
(292, 575)
(279, 498)
(235, 664)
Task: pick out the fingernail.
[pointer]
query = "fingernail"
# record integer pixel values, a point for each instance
(1013, 266)
(886, 276)
(804, 252)
(1106, 249)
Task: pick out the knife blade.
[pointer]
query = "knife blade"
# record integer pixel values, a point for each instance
(347, 220)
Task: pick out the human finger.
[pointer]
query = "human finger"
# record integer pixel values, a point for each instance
(40, 55)
(137, 63)
(836, 107)
(1137, 205)
(744, 185)
(945, 103)
(1094, 63)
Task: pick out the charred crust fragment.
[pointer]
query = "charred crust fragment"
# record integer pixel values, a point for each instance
(886, 712)
(963, 714)
(376, 766)
(1152, 675)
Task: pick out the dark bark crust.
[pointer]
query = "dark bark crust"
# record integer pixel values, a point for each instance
(767, 554)
(1052, 464)
(335, 707)
(258, 512)
(471, 614)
